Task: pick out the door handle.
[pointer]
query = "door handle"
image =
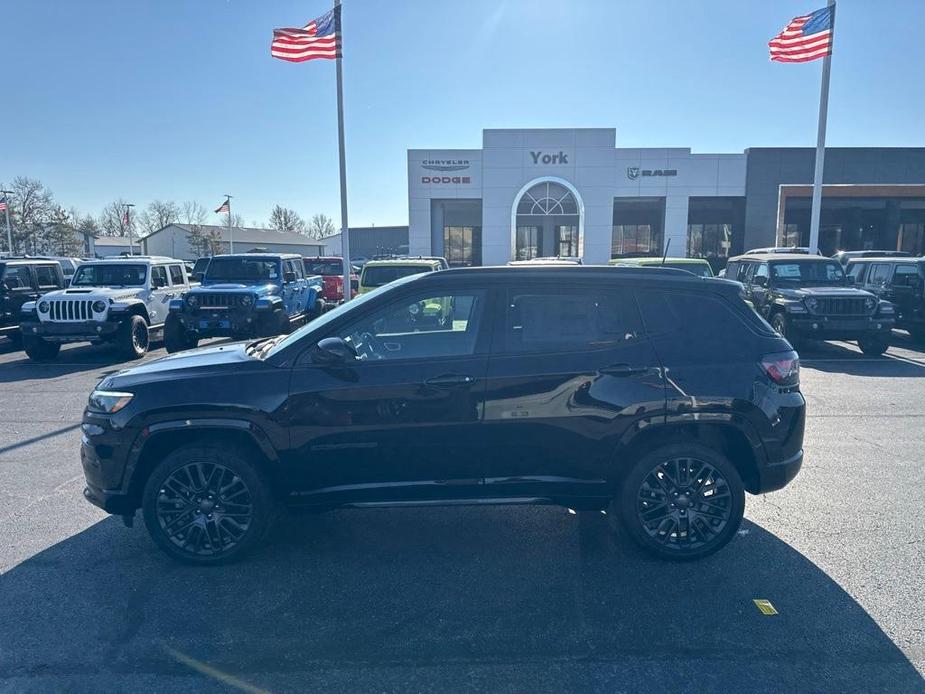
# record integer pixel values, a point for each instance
(622, 370)
(449, 381)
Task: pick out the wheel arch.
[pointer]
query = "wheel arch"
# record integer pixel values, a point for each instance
(734, 439)
(165, 437)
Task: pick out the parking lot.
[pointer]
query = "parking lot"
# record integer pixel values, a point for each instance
(477, 599)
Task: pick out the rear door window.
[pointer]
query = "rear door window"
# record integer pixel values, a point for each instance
(557, 320)
(176, 274)
(904, 274)
(699, 320)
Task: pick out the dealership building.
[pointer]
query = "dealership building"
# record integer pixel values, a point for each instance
(573, 192)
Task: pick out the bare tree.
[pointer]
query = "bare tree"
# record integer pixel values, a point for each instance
(30, 206)
(320, 226)
(157, 215)
(284, 219)
(112, 219)
(193, 213)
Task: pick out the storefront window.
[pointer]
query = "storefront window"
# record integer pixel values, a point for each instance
(462, 245)
(912, 238)
(528, 243)
(632, 239)
(568, 240)
(709, 240)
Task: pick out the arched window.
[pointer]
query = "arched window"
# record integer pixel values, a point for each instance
(547, 222)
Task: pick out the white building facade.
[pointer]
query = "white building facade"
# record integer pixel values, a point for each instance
(572, 192)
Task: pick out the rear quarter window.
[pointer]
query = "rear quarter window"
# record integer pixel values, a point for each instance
(700, 322)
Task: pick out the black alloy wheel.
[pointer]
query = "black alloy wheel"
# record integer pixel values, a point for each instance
(206, 505)
(683, 502)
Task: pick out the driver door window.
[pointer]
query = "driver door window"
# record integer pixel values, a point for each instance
(879, 274)
(420, 326)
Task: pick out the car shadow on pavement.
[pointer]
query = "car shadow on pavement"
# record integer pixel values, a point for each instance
(461, 599)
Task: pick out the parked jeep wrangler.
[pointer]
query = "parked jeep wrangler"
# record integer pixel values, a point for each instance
(23, 280)
(120, 301)
(808, 297)
(901, 281)
(242, 296)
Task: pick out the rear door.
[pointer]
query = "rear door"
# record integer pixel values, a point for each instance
(905, 289)
(19, 286)
(160, 294)
(570, 372)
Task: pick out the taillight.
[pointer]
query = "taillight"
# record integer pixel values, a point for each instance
(782, 367)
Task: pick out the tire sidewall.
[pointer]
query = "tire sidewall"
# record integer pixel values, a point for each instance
(264, 504)
(629, 488)
(874, 345)
(40, 350)
(126, 330)
(175, 336)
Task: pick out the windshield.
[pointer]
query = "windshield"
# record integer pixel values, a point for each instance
(201, 265)
(699, 269)
(332, 315)
(808, 273)
(121, 275)
(377, 276)
(246, 269)
(324, 268)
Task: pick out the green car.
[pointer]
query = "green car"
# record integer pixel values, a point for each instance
(696, 266)
(379, 272)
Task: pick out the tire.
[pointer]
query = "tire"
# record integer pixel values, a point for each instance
(277, 323)
(672, 512)
(132, 337)
(176, 337)
(874, 345)
(207, 504)
(781, 324)
(39, 349)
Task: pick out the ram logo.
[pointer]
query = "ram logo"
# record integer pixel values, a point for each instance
(632, 172)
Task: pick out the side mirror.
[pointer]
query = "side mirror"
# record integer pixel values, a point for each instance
(332, 351)
(851, 279)
(288, 277)
(198, 276)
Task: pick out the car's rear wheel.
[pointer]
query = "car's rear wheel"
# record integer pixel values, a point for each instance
(206, 504)
(132, 337)
(875, 344)
(682, 501)
(40, 349)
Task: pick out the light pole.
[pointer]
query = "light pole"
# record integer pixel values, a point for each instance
(6, 208)
(128, 223)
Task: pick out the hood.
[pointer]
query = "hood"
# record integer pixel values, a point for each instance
(228, 355)
(804, 292)
(260, 287)
(114, 293)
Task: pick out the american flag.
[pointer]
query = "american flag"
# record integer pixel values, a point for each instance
(224, 207)
(806, 38)
(320, 38)
(3, 204)
(125, 218)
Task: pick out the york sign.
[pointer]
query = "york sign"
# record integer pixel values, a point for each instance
(540, 157)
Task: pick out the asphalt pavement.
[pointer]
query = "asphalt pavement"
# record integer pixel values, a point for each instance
(508, 599)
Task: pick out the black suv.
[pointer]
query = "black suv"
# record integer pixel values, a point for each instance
(809, 297)
(23, 280)
(653, 394)
(901, 281)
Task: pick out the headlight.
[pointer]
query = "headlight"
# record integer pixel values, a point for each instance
(192, 300)
(109, 401)
(811, 303)
(99, 306)
(886, 307)
(870, 302)
(247, 299)
(43, 307)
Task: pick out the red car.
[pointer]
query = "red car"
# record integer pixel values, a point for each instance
(331, 270)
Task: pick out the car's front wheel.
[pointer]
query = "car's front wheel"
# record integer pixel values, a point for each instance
(875, 344)
(176, 337)
(781, 324)
(40, 349)
(682, 501)
(206, 504)
(132, 337)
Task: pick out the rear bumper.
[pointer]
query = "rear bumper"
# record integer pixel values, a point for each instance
(77, 331)
(774, 476)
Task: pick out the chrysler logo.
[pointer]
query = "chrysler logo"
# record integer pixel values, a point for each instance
(632, 172)
(445, 164)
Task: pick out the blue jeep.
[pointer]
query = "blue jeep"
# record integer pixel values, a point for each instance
(244, 295)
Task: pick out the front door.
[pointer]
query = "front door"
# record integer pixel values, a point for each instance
(571, 370)
(159, 301)
(19, 286)
(905, 290)
(400, 422)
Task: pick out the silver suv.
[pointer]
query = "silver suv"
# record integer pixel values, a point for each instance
(120, 301)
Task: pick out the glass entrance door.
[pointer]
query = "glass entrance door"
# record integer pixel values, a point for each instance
(529, 243)
(567, 238)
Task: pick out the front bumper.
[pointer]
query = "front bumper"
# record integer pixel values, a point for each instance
(77, 331)
(828, 328)
(220, 323)
(104, 453)
(774, 476)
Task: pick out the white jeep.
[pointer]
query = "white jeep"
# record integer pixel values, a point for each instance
(120, 301)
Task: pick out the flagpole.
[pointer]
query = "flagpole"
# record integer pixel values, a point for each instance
(230, 230)
(816, 212)
(344, 228)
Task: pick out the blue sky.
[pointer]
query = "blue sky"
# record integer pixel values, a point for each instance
(179, 99)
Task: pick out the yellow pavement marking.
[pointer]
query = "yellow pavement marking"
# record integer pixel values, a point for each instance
(765, 606)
